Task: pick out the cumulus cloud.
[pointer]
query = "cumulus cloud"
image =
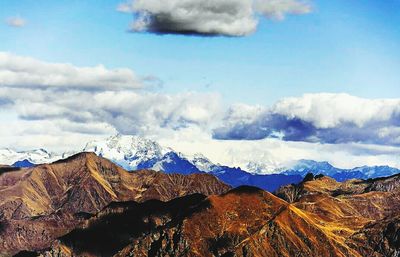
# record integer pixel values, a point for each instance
(95, 99)
(16, 22)
(19, 71)
(208, 17)
(325, 118)
(128, 112)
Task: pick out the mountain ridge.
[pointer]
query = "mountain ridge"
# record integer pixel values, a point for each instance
(97, 208)
(135, 153)
(48, 199)
(248, 221)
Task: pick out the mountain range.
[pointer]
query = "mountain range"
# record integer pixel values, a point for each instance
(135, 153)
(86, 205)
(49, 200)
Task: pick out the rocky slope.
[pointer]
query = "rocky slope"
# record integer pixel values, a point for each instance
(319, 217)
(244, 222)
(364, 212)
(87, 206)
(48, 201)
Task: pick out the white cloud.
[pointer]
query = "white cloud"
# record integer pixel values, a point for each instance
(18, 71)
(97, 100)
(331, 110)
(128, 112)
(208, 17)
(124, 8)
(278, 9)
(325, 118)
(17, 22)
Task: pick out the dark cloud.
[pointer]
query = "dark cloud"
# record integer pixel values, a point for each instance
(207, 18)
(267, 126)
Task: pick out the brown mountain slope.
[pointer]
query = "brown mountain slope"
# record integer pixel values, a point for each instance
(244, 222)
(380, 238)
(47, 201)
(7, 168)
(120, 223)
(326, 218)
(364, 213)
(319, 217)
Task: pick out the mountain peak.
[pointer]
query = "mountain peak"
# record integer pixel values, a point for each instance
(127, 151)
(79, 156)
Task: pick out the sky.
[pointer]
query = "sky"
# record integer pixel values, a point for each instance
(318, 79)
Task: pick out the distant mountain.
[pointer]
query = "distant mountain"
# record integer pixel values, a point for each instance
(38, 156)
(237, 177)
(130, 152)
(23, 164)
(135, 153)
(303, 167)
(173, 162)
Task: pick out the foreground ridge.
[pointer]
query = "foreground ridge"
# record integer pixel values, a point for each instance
(149, 213)
(327, 218)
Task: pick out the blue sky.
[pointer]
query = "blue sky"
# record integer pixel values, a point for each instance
(321, 84)
(342, 46)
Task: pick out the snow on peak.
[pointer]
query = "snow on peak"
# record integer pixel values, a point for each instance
(135, 152)
(127, 151)
(202, 162)
(37, 156)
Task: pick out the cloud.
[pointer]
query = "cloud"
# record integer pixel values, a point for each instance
(124, 8)
(78, 98)
(271, 154)
(345, 130)
(325, 118)
(127, 112)
(278, 9)
(16, 22)
(18, 71)
(208, 17)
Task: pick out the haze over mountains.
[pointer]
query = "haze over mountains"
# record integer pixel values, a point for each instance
(134, 153)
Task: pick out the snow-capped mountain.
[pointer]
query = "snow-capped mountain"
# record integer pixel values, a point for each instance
(303, 167)
(24, 158)
(134, 152)
(130, 152)
(202, 163)
(173, 162)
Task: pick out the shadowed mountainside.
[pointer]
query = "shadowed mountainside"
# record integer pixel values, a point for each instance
(326, 218)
